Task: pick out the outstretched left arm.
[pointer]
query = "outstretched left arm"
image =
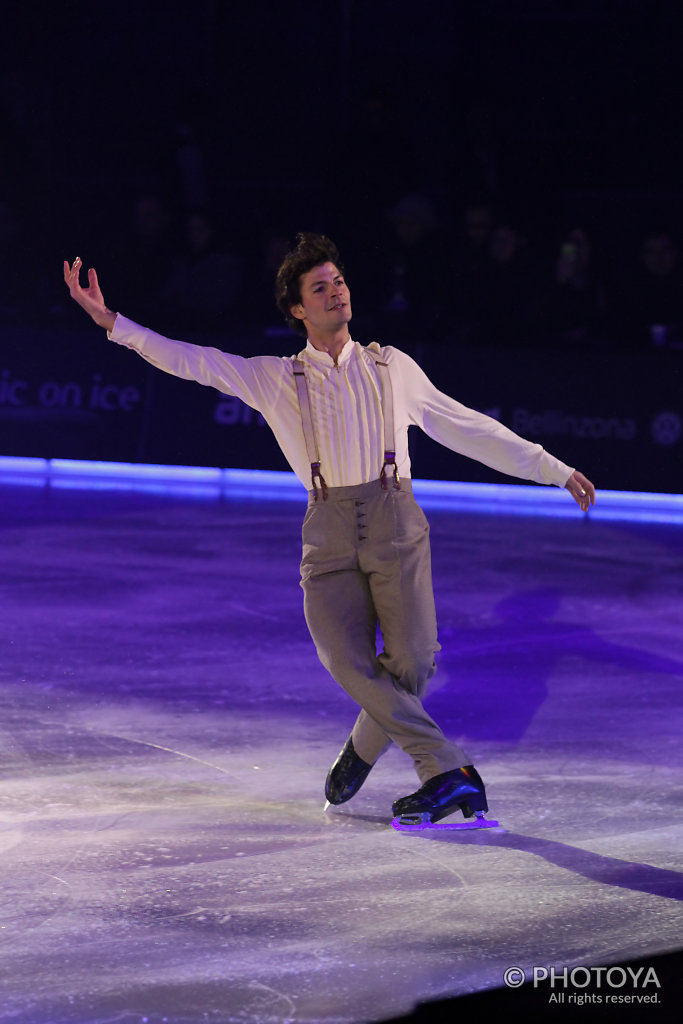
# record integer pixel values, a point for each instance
(477, 435)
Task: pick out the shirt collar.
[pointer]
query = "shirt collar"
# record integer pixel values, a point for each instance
(324, 358)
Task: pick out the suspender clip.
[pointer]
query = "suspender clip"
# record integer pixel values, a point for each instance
(316, 475)
(390, 460)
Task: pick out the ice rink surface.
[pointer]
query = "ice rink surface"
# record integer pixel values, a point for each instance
(166, 731)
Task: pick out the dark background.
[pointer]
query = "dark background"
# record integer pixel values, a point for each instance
(124, 126)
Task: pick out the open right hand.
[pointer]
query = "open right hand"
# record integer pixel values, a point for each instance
(89, 298)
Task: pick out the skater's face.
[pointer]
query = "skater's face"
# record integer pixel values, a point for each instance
(325, 305)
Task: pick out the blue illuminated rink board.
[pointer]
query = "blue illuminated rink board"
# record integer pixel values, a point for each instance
(208, 482)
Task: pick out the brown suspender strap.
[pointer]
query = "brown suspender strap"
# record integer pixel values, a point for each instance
(317, 479)
(388, 417)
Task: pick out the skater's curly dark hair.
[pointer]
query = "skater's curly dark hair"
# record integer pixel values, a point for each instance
(311, 251)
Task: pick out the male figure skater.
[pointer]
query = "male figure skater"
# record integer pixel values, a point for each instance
(340, 412)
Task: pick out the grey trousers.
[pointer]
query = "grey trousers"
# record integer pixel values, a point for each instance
(366, 560)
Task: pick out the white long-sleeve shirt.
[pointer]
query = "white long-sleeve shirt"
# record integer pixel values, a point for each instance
(346, 408)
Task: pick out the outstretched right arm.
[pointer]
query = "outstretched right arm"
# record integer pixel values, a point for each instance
(89, 298)
(258, 381)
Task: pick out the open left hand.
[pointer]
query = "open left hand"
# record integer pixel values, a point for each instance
(581, 490)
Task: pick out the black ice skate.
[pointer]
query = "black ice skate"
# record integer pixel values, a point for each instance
(346, 776)
(461, 789)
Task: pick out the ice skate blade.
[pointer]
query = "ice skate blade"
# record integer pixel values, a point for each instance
(419, 822)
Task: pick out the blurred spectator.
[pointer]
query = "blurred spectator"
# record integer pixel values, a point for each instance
(649, 304)
(271, 249)
(512, 289)
(490, 159)
(143, 258)
(478, 223)
(205, 282)
(377, 164)
(482, 159)
(576, 308)
(190, 165)
(194, 126)
(416, 290)
(12, 270)
(471, 269)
